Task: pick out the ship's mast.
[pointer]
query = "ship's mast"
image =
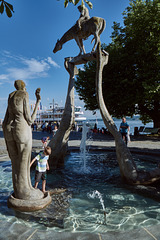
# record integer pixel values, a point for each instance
(53, 109)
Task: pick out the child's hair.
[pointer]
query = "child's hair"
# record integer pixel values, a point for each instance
(47, 150)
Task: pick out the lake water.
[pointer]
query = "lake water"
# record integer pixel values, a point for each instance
(132, 124)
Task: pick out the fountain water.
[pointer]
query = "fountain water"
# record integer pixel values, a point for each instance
(85, 130)
(97, 194)
(74, 210)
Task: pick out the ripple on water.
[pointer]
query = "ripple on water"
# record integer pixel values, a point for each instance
(74, 210)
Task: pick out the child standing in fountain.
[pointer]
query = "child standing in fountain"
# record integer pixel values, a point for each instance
(42, 166)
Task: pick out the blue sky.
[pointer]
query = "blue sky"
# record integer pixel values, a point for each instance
(27, 41)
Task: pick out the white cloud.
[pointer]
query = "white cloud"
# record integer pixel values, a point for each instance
(35, 66)
(19, 67)
(53, 63)
(3, 77)
(26, 73)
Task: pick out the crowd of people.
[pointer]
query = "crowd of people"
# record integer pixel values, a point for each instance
(100, 130)
(50, 127)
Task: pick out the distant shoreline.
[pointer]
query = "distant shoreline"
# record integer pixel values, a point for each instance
(98, 141)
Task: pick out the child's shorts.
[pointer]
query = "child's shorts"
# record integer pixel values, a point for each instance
(40, 175)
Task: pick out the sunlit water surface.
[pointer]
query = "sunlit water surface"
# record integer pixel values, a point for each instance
(95, 199)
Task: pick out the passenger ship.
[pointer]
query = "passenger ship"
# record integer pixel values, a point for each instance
(55, 114)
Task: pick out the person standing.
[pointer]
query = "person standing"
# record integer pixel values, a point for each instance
(124, 129)
(55, 130)
(44, 141)
(42, 166)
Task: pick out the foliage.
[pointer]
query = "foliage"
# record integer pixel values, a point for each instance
(8, 8)
(117, 94)
(131, 80)
(85, 85)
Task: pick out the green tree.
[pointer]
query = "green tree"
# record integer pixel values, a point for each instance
(117, 91)
(131, 78)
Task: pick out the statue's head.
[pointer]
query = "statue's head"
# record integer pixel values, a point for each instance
(79, 8)
(57, 47)
(19, 85)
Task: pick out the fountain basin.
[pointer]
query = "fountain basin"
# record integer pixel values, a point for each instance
(72, 210)
(29, 205)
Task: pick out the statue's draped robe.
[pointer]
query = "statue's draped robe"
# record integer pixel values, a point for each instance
(18, 137)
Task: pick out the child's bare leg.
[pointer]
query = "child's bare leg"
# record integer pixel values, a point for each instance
(43, 186)
(36, 185)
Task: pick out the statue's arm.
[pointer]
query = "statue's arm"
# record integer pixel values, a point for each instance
(26, 108)
(7, 113)
(5, 119)
(30, 118)
(38, 97)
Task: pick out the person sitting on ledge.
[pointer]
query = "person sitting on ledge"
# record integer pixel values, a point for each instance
(42, 166)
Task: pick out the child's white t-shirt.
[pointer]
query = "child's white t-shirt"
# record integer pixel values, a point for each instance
(41, 162)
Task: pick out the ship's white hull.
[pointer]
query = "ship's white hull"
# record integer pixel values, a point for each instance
(55, 116)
